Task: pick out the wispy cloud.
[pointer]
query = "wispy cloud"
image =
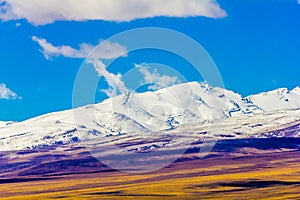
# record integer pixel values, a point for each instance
(106, 50)
(40, 12)
(156, 80)
(95, 54)
(6, 93)
(114, 81)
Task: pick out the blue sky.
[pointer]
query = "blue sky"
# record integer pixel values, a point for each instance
(255, 45)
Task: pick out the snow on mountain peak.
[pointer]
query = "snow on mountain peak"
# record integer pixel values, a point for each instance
(143, 113)
(296, 90)
(2, 124)
(279, 99)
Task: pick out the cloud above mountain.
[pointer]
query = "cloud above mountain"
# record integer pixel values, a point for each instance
(106, 50)
(6, 93)
(41, 12)
(115, 84)
(155, 79)
(95, 55)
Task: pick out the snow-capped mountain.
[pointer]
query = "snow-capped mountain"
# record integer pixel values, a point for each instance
(166, 110)
(2, 124)
(277, 99)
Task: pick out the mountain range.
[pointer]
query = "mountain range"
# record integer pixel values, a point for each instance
(186, 108)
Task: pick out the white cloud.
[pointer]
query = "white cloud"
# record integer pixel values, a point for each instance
(95, 54)
(116, 85)
(40, 12)
(106, 50)
(6, 93)
(156, 80)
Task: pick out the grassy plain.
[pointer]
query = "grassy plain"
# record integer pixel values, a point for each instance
(272, 175)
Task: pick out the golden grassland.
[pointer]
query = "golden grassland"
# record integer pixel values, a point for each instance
(269, 176)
